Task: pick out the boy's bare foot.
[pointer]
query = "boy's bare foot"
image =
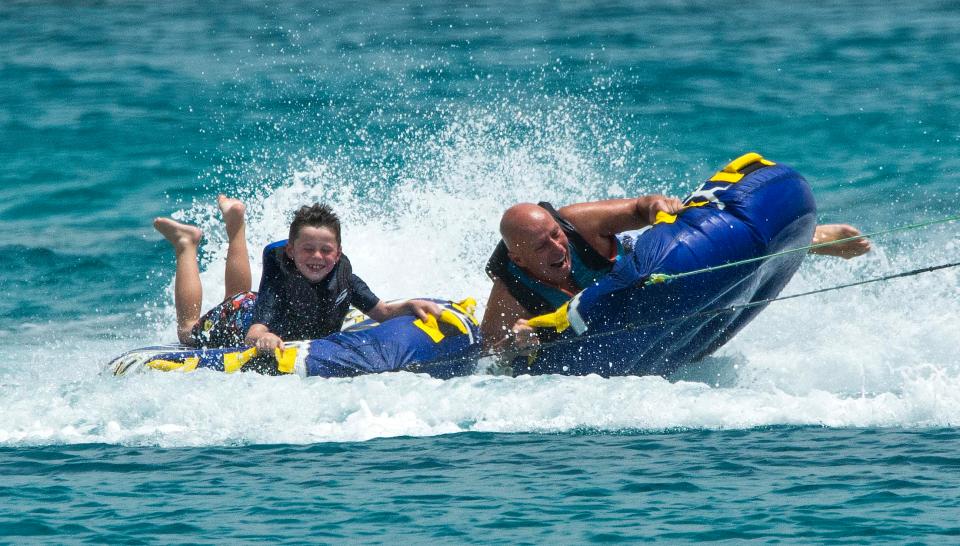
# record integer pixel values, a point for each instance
(834, 232)
(181, 236)
(232, 210)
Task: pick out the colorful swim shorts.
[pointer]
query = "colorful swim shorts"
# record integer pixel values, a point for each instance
(226, 324)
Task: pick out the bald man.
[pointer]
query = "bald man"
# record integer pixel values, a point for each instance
(547, 256)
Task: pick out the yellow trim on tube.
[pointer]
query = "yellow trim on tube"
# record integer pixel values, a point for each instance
(232, 362)
(188, 365)
(729, 178)
(286, 359)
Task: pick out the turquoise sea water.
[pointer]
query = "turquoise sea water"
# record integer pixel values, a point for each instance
(830, 419)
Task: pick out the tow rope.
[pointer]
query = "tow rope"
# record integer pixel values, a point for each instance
(513, 353)
(657, 278)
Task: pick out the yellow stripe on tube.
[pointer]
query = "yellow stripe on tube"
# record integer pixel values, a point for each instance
(286, 359)
(188, 365)
(730, 178)
(232, 362)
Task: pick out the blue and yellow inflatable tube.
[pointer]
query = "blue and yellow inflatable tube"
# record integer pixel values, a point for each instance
(441, 347)
(624, 325)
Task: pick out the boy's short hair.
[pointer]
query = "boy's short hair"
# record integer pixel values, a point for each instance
(317, 215)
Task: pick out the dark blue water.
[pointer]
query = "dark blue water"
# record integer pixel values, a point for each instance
(867, 485)
(830, 419)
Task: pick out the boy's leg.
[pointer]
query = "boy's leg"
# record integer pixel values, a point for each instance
(187, 290)
(236, 277)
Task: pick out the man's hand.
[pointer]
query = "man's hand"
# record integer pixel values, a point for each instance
(520, 339)
(523, 335)
(660, 203)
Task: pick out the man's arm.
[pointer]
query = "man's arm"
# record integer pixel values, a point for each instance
(599, 221)
(834, 232)
(503, 311)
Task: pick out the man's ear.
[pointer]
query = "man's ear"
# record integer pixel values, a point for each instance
(287, 251)
(515, 258)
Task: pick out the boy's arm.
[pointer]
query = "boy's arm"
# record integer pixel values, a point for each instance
(421, 308)
(366, 301)
(265, 309)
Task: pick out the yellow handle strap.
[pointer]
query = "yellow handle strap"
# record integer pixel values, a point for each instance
(467, 307)
(665, 218)
(429, 326)
(286, 359)
(432, 328)
(731, 173)
(557, 320)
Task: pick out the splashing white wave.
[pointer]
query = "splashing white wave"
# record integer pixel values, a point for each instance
(877, 355)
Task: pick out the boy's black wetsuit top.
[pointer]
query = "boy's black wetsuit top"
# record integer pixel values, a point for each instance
(294, 308)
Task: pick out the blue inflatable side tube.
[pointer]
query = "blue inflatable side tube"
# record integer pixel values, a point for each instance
(442, 347)
(620, 326)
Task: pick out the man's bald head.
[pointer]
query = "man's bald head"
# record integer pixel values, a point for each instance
(536, 243)
(523, 223)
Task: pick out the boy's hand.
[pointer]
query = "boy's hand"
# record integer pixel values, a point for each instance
(268, 342)
(423, 308)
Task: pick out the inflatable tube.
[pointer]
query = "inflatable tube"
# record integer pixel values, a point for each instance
(441, 347)
(620, 326)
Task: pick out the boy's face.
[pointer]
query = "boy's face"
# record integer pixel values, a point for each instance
(315, 252)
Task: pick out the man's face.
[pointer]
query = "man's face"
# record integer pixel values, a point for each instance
(542, 251)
